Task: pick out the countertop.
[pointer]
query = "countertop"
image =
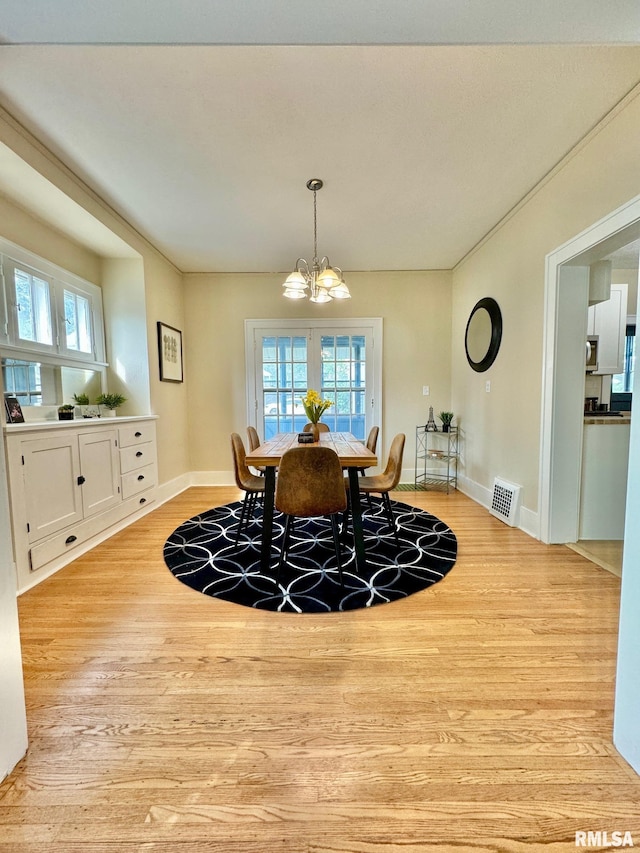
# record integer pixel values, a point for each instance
(112, 421)
(609, 420)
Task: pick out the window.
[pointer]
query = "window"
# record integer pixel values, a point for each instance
(32, 299)
(342, 361)
(48, 310)
(77, 322)
(22, 379)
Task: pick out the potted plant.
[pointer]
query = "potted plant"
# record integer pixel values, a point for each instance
(81, 399)
(66, 412)
(111, 402)
(446, 418)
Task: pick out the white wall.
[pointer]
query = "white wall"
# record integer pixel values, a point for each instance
(599, 177)
(626, 731)
(415, 308)
(125, 333)
(157, 294)
(13, 720)
(503, 427)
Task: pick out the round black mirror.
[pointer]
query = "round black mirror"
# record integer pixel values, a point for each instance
(483, 334)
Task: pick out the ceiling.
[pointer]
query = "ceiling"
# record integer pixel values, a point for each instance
(428, 121)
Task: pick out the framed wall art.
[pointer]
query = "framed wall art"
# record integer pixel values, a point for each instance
(13, 411)
(170, 353)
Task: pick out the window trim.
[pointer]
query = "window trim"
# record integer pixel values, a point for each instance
(9, 267)
(59, 280)
(374, 324)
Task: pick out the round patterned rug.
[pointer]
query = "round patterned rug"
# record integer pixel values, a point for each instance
(202, 554)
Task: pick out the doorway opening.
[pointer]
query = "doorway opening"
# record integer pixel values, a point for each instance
(566, 300)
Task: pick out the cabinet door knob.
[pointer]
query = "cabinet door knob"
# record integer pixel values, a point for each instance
(81, 480)
(143, 500)
(70, 539)
(139, 453)
(138, 434)
(141, 477)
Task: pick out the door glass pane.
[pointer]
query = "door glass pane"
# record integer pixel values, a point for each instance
(343, 381)
(284, 382)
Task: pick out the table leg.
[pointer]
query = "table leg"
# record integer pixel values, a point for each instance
(267, 517)
(356, 516)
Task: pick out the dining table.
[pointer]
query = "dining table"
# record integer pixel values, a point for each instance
(353, 455)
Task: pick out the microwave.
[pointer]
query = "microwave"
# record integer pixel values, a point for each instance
(591, 363)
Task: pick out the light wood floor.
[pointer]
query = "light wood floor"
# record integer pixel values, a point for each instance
(607, 553)
(474, 716)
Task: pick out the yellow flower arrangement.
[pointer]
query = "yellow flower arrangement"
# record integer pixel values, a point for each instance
(314, 405)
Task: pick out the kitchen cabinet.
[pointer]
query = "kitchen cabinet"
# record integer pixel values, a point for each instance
(603, 489)
(71, 484)
(608, 320)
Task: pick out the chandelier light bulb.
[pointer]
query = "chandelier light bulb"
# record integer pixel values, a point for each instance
(292, 293)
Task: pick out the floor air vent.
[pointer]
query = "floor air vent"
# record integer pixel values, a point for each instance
(505, 501)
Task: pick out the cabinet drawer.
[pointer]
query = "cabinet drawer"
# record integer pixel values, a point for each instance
(64, 543)
(139, 433)
(138, 480)
(44, 552)
(136, 456)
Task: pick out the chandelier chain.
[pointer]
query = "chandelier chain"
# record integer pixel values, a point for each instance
(315, 229)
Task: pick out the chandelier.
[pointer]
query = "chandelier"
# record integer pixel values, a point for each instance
(319, 280)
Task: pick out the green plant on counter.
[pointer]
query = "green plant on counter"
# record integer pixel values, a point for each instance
(81, 399)
(67, 407)
(111, 401)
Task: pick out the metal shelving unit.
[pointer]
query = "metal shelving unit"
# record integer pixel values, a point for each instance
(436, 459)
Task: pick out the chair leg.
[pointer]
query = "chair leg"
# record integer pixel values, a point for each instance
(243, 516)
(285, 545)
(336, 544)
(387, 505)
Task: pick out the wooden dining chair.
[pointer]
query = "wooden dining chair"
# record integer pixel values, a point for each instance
(387, 481)
(251, 484)
(310, 483)
(254, 443)
(321, 427)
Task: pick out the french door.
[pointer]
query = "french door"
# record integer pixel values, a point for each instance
(340, 360)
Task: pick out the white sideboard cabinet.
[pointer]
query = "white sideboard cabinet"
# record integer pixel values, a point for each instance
(72, 483)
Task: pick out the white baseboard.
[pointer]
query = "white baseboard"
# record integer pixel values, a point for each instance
(528, 521)
(480, 494)
(212, 478)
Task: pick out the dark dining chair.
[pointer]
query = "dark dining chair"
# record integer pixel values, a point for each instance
(250, 483)
(310, 483)
(387, 481)
(254, 443)
(321, 427)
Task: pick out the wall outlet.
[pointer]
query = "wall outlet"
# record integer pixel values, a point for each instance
(425, 390)
(487, 386)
